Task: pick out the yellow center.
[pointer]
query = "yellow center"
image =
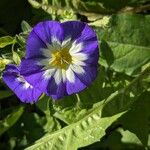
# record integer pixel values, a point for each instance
(61, 58)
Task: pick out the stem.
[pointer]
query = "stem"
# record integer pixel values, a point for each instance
(13, 45)
(78, 101)
(136, 9)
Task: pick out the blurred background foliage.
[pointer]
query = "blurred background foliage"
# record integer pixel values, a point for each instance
(114, 112)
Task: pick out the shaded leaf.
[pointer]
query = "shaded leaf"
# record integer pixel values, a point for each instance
(137, 119)
(11, 119)
(5, 94)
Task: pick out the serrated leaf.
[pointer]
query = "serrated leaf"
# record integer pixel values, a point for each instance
(86, 131)
(6, 40)
(73, 108)
(128, 41)
(11, 119)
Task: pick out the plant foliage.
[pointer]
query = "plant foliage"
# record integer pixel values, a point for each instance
(112, 113)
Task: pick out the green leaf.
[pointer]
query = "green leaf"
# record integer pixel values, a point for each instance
(6, 40)
(5, 94)
(34, 3)
(127, 41)
(11, 119)
(29, 128)
(119, 102)
(86, 131)
(21, 39)
(3, 63)
(90, 6)
(129, 137)
(25, 26)
(46, 106)
(16, 58)
(137, 119)
(72, 108)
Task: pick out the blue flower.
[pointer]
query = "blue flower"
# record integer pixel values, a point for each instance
(16, 82)
(61, 59)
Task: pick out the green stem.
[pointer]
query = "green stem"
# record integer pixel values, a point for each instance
(78, 101)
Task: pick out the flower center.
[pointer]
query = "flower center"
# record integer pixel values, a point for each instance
(61, 58)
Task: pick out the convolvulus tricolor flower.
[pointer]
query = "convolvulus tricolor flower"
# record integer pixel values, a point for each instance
(61, 58)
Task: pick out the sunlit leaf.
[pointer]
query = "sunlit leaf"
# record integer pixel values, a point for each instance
(6, 40)
(127, 43)
(25, 26)
(16, 58)
(85, 131)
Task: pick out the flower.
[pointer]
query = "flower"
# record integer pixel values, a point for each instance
(16, 82)
(61, 58)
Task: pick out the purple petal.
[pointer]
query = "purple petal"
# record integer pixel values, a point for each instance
(79, 31)
(73, 29)
(12, 68)
(33, 73)
(75, 87)
(35, 76)
(56, 91)
(83, 33)
(89, 75)
(11, 77)
(29, 66)
(41, 35)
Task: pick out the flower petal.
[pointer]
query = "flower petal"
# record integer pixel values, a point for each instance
(48, 81)
(83, 35)
(89, 75)
(76, 47)
(75, 87)
(80, 56)
(41, 35)
(56, 91)
(73, 29)
(77, 69)
(70, 75)
(78, 31)
(58, 76)
(35, 74)
(49, 73)
(24, 91)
